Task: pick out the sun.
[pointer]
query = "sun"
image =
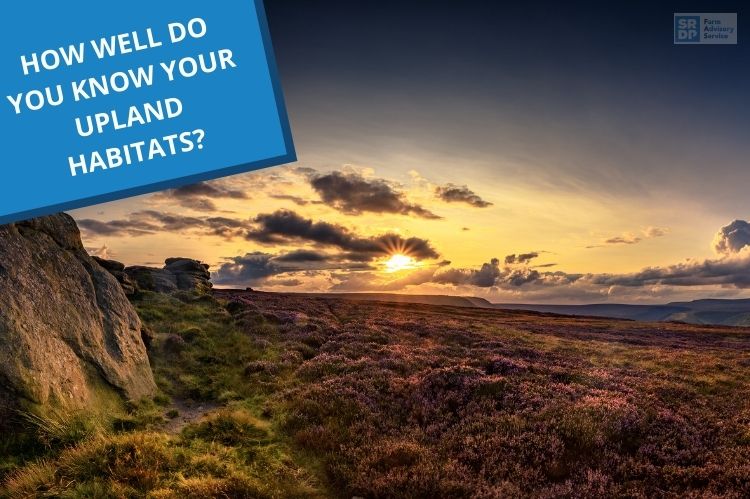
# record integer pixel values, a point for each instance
(399, 262)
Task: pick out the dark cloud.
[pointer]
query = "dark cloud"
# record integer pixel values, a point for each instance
(732, 238)
(199, 204)
(228, 228)
(305, 171)
(281, 227)
(354, 194)
(259, 268)
(523, 258)
(117, 228)
(246, 270)
(199, 196)
(451, 193)
(303, 256)
(148, 222)
(294, 199)
(626, 239)
(286, 226)
(206, 190)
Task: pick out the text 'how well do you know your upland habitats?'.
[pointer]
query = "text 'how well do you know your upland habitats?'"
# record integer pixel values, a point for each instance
(107, 121)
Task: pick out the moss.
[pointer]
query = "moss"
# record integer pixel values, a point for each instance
(214, 352)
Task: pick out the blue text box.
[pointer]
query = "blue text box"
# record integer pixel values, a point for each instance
(105, 100)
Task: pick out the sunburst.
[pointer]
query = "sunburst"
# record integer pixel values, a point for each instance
(399, 262)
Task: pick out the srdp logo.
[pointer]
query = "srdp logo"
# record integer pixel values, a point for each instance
(686, 29)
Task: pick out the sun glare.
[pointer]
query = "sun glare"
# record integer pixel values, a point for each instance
(399, 262)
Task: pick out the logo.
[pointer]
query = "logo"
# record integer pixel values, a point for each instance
(705, 29)
(686, 29)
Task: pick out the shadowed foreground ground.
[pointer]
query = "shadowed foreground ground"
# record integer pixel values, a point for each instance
(323, 397)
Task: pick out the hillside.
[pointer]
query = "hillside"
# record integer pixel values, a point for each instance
(453, 301)
(273, 395)
(613, 310)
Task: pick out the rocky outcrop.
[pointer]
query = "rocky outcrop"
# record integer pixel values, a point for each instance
(178, 274)
(69, 337)
(117, 269)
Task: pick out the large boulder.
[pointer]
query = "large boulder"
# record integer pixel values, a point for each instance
(69, 337)
(178, 274)
(117, 269)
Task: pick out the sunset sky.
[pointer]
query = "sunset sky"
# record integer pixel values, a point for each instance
(531, 153)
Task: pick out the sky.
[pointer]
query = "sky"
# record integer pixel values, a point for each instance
(531, 153)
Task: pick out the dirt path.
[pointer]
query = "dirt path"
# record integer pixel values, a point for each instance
(188, 412)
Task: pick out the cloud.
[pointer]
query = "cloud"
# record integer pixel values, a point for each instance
(259, 267)
(102, 252)
(199, 204)
(281, 227)
(733, 270)
(116, 227)
(522, 258)
(353, 194)
(285, 226)
(208, 190)
(490, 274)
(732, 238)
(729, 271)
(149, 222)
(248, 269)
(303, 256)
(451, 193)
(199, 196)
(631, 238)
(655, 231)
(294, 199)
(624, 239)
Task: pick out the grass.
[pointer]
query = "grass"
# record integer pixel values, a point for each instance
(199, 356)
(148, 464)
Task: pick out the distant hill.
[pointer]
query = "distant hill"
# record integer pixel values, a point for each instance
(453, 301)
(617, 311)
(708, 311)
(718, 312)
